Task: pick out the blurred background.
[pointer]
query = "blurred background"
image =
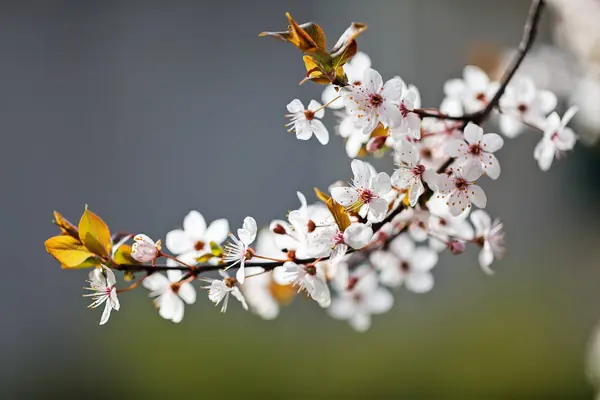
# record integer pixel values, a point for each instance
(147, 109)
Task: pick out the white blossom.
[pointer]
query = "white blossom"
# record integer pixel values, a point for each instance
(406, 264)
(194, 239)
(460, 189)
(472, 93)
(358, 304)
(306, 122)
(144, 249)
(170, 294)
(365, 193)
(557, 139)
(354, 69)
(310, 278)
(220, 289)
(236, 251)
(490, 236)
(410, 173)
(103, 287)
(477, 149)
(523, 103)
(372, 102)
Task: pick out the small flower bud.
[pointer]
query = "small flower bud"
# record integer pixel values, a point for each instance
(144, 249)
(376, 143)
(456, 246)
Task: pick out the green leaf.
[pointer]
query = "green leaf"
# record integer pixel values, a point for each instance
(69, 251)
(94, 233)
(216, 249)
(123, 255)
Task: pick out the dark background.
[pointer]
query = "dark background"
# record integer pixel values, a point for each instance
(147, 109)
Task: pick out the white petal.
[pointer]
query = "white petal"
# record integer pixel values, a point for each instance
(250, 229)
(458, 202)
(178, 242)
(390, 115)
(174, 275)
(455, 148)
(392, 90)
(346, 196)
(372, 81)
(238, 295)
(194, 225)
(423, 259)
(362, 173)
(491, 142)
(544, 154)
(403, 247)
(407, 153)
(295, 106)
(416, 190)
(156, 282)
(569, 114)
(454, 88)
(380, 301)
(491, 166)
(377, 209)
(358, 235)
(481, 221)
(320, 131)
(381, 184)
(419, 282)
(303, 130)
(472, 171)
(473, 133)
(475, 78)
(402, 178)
(477, 196)
(342, 308)
(217, 231)
(510, 126)
(187, 293)
(360, 322)
(106, 313)
(240, 275)
(546, 101)
(315, 105)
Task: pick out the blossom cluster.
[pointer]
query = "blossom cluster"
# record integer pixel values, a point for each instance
(368, 236)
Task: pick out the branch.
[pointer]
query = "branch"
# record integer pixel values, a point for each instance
(529, 34)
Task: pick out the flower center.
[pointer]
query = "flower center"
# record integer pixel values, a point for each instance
(229, 282)
(426, 153)
(474, 149)
(311, 270)
(418, 170)
(311, 226)
(403, 110)
(461, 184)
(522, 108)
(357, 83)
(175, 287)
(338, 238)
(199, 245)
(480, 97)
(376, 100)
(404, 266)
(554, 136)
(365, 196)
(309, 115)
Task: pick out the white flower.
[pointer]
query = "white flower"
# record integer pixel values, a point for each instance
(406, 264)
(372, 102)
(144, 249)
(366, 191)
(444, 227)
(354, 69)
(461, 190)
(334, 243)
(490, 236)
(521, 102)
(308, 122)
(477, 149)
(236, 251)
(219, 290)
(410, 173)
(363, 300)
(103, 291)
(194, 239)
(558, 138)
(310, 278)
(473, 92)
(170, 294)
(411, 122)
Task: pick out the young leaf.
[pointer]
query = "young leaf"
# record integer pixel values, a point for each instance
(306, 37)
(123, 255)
(345, 41)
(65, 226)
(215, 249)
(94, 233)
(337, 210)
(68, 251)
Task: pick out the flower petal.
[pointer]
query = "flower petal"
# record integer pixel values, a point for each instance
(194, 225)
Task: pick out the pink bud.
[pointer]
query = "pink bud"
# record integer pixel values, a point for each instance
(144, 249)
(376, 143)
(456, 246)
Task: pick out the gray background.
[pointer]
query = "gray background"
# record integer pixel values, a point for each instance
(147, 109)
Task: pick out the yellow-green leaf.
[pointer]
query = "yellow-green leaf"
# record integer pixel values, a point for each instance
(337, 210)
(65, 226)
(123, 255)
(68, 250)
(89, 263)
(204, 258)
(216, 249)
(306, 37)
(94, 233)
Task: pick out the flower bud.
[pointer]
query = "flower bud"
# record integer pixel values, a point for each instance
(144, 249)
(456, 246)
(376, 143)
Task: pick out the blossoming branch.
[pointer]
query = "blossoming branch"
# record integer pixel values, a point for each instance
(364, 237)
